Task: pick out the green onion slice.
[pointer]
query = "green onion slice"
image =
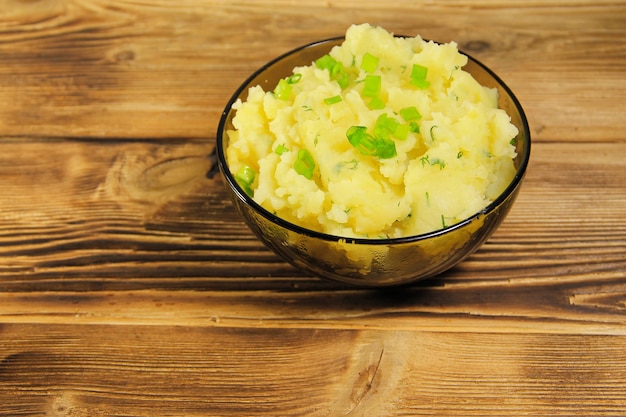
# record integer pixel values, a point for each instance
(246, 174)
(376, 104)
(280, 149)
(304, 165)
(361, 140)
(245, 177)
(410, 113)
(386, 148)
(333, 100)
(418, 76)
(326, 62)
(295, 78)
(385, 126)
(335, 68)
(339, 74)
(283, 89)
(369, 145)
(371, 85)
(369, 63)
(402, 131)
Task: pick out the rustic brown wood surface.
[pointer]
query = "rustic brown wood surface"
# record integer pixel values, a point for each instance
(130, 287)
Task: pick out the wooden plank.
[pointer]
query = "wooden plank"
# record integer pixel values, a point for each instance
(130, 287)
(134, 232)
(96, 370)
(94, 211)
(166, 70)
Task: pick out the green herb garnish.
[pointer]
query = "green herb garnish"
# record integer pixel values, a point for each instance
(371, 145)
(339, 74)
(361, 140)
(245, 177)
(333, 100)
(326, 62)
(418, 76)
(304, 165)
(376, 104)
(335, 68)
(432, 135)
(295, 78)
(402, 131)
(283, 89)
(369, 62)
(280, 149)
(410, 113)
(371, 85)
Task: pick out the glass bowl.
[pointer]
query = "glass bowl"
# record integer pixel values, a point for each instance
(371, 262)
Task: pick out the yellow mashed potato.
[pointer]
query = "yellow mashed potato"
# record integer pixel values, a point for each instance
(383, 137)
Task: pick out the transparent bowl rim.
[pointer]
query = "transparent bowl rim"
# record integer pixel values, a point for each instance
(247, 200)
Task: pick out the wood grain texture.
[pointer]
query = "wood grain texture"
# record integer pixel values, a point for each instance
(99, 69)
(129, 286)
(126, 217)
(143, 371)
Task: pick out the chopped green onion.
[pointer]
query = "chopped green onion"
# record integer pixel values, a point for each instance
(415, 128)
(371, 85)
(280, 149)
(335, 68)
(385, 126)
(361, 140)
(386, 149)
(326, 62)
(418, 76)
(419, 72)
(410, 113)
(339, 74)
(376, 104)
(294, 78)
(245, 177)
(388, 126)
(246, 174)
(366, 144)
(443, 221)
(283, 89)
(402, 131)
(333, 100)
(460, 154)
(369, 62)
(304, 165)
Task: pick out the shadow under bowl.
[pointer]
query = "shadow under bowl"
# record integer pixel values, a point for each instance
(371, 262)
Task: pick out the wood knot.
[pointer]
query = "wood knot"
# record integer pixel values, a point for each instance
(120, 56)
(477, 46)
(124, 56)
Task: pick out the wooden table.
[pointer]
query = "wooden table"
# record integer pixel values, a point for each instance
(130, 287)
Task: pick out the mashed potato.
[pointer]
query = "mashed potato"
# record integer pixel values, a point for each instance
(383, 137)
